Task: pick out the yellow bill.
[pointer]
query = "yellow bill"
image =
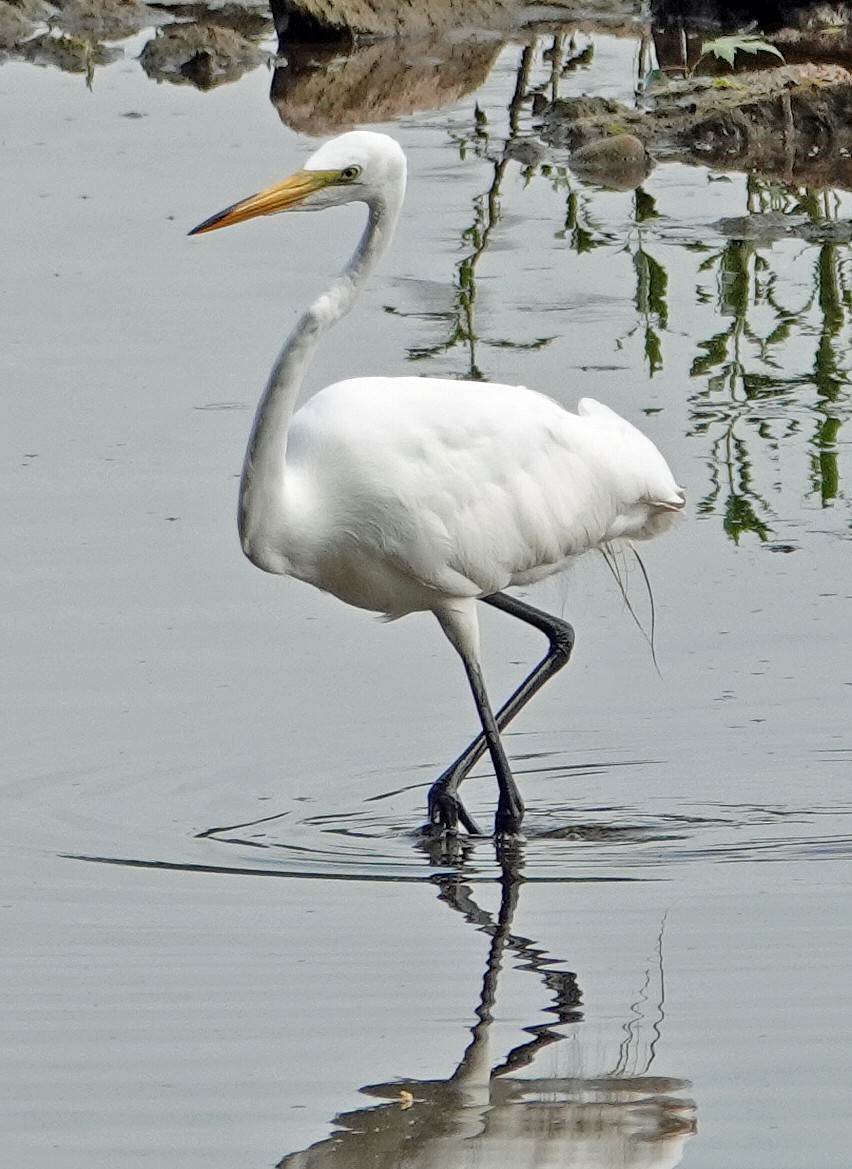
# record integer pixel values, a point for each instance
(278, 197)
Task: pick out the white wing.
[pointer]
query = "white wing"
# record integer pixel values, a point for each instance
(462, 488)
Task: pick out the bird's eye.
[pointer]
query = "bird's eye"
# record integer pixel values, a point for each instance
(350, 173)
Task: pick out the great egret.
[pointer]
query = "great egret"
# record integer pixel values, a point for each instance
(410, 494)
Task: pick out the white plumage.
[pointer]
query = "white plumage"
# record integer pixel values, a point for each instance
(406, 494)
(459, 488)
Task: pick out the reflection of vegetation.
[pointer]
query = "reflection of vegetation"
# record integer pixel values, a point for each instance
(766, 352)
(580, 229)
(750, 395)
(486, 212)
(486, 216)
(652, 284)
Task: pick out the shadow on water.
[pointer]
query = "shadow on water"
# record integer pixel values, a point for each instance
(487, 1113)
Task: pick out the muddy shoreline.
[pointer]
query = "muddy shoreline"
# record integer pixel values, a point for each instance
(787, 115)
(791, 122)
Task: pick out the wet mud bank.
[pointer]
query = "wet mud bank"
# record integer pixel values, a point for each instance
(330, 20)
(793, 122)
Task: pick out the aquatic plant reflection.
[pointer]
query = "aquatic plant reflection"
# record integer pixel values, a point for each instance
(753, 393)
(542, 63)
(757, 394)
(486, 1114)
(499, 151)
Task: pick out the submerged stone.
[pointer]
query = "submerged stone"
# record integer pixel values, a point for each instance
(619, 160)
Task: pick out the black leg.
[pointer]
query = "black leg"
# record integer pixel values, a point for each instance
(446, 810)
(510, 806)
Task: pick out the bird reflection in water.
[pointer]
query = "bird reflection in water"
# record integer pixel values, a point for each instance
(486, 1114)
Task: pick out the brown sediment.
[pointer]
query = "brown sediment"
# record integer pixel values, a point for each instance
(794, 121)
(329, 20)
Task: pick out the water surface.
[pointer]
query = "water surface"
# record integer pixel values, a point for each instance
(218, 924)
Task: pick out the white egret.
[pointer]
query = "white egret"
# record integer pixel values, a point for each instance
(407, 494)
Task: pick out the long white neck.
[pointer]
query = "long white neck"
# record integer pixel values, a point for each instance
(262, 506)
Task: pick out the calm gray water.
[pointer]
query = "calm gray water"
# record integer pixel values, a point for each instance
(216, 924)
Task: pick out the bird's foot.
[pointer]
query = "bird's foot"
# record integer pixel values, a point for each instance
(508, 820)
(446, 812)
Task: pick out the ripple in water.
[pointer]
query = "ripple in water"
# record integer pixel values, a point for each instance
(349, 838)
(560, 843)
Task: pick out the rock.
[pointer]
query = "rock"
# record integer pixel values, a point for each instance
(573, 121)
(69, 54)
(200, 55)
(768, 15)
(110, 20)
(794, 121)
(14, 26)
(18, 20)
(527, 151)
(768, 226)
(329, 20)
(620, 161)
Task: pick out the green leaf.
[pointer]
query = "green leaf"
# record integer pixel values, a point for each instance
(726, 48)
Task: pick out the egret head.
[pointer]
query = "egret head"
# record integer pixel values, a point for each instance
(360, 166)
